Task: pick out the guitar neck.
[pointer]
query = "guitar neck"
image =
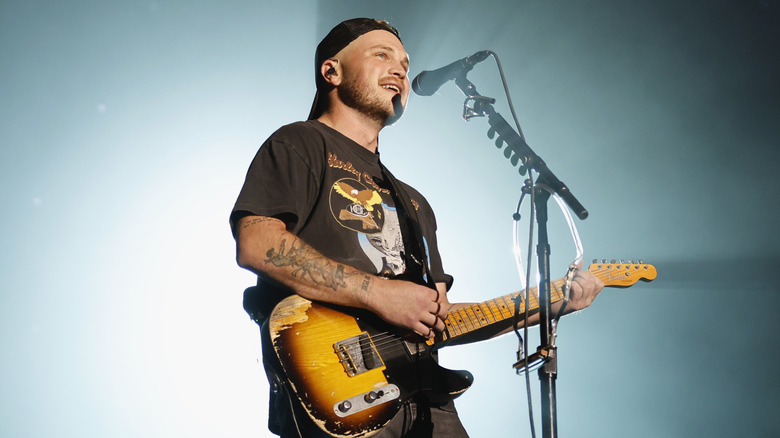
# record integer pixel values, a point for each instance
(499, 312)
(492, 313)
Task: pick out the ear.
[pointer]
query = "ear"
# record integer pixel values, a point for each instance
(331, 71)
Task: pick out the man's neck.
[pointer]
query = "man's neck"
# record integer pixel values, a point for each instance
(354, 125)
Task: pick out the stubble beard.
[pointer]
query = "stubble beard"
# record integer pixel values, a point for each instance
(370, 104)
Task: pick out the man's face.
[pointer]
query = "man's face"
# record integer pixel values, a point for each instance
(375, 82)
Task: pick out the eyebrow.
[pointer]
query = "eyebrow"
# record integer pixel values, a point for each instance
(405, 62)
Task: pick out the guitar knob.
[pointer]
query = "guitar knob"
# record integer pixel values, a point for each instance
(370, 397)
(345, 406)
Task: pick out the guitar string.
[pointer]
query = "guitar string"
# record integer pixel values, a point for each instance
(389, 341)
(464, 320)
(469, 318)
(474, 317)
(385, 342)
(460, 322)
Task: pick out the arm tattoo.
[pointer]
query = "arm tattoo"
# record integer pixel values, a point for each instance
(254, 221)
(307, 263)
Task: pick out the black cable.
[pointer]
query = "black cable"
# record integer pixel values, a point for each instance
(529, 255)
(526, 296)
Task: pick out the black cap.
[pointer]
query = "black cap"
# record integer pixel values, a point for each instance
(338, 38)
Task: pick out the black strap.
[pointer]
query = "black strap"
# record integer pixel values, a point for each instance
(411, 231)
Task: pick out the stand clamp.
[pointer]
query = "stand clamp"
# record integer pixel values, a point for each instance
(543, 355)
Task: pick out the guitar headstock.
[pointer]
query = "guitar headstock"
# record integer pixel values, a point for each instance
(621, 274)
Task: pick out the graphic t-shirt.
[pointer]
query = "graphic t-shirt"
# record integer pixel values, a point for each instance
(331, 192)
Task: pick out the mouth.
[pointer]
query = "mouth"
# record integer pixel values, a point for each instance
(392, 87)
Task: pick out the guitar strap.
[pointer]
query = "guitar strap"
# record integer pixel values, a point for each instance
(415, 254)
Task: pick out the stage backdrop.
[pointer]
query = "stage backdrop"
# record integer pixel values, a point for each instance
(127, 128)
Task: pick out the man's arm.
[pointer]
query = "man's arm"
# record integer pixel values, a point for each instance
(263, 245)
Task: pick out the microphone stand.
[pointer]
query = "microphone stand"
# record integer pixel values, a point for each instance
(518, 151)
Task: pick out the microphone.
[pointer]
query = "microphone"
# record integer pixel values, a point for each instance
(428, 82)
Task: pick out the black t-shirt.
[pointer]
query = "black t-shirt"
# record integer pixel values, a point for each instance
(331, 192)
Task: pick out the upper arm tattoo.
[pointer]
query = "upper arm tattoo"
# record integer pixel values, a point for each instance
(248, 221)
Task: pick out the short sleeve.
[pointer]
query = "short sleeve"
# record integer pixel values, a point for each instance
(279, 183)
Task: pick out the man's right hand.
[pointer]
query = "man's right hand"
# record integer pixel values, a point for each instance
(409, 305)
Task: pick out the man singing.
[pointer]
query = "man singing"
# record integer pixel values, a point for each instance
(321, 217)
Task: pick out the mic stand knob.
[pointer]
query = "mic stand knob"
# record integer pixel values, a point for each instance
(477, 109)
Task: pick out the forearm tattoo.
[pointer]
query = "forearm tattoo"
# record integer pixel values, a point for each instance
(307, 263)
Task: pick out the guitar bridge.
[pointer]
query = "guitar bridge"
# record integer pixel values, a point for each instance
(358, 354)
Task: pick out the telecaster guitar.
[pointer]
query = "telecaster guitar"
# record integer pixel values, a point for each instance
(351, 371)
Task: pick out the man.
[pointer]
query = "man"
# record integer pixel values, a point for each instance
(321, 217)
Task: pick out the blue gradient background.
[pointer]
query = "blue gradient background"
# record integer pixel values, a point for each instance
(127, 127)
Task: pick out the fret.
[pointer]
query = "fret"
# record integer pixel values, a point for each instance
(534, 300)
(452, 324)
(444, 335)
(468, 320)
(556, 290)
(496, 308)
(475, 320)
(525, 306)
(459, 324)
(488, 312)
(507, 306)
(522, 307)
(450, 330)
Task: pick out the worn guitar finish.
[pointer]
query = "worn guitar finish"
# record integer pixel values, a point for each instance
(352, 371)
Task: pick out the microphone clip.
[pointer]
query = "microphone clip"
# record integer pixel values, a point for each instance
(478, 107)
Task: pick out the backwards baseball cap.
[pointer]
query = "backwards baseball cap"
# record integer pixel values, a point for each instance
(338, 38)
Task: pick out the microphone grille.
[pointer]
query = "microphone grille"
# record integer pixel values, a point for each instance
(418, 89)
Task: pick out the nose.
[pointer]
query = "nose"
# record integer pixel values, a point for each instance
(398, 69)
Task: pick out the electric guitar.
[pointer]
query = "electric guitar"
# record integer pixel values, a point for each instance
(352, 371)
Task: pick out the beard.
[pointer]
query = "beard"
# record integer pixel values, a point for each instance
(370, 103)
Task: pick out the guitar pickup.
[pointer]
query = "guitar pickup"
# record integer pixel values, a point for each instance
(361, 402)
(358, 354)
